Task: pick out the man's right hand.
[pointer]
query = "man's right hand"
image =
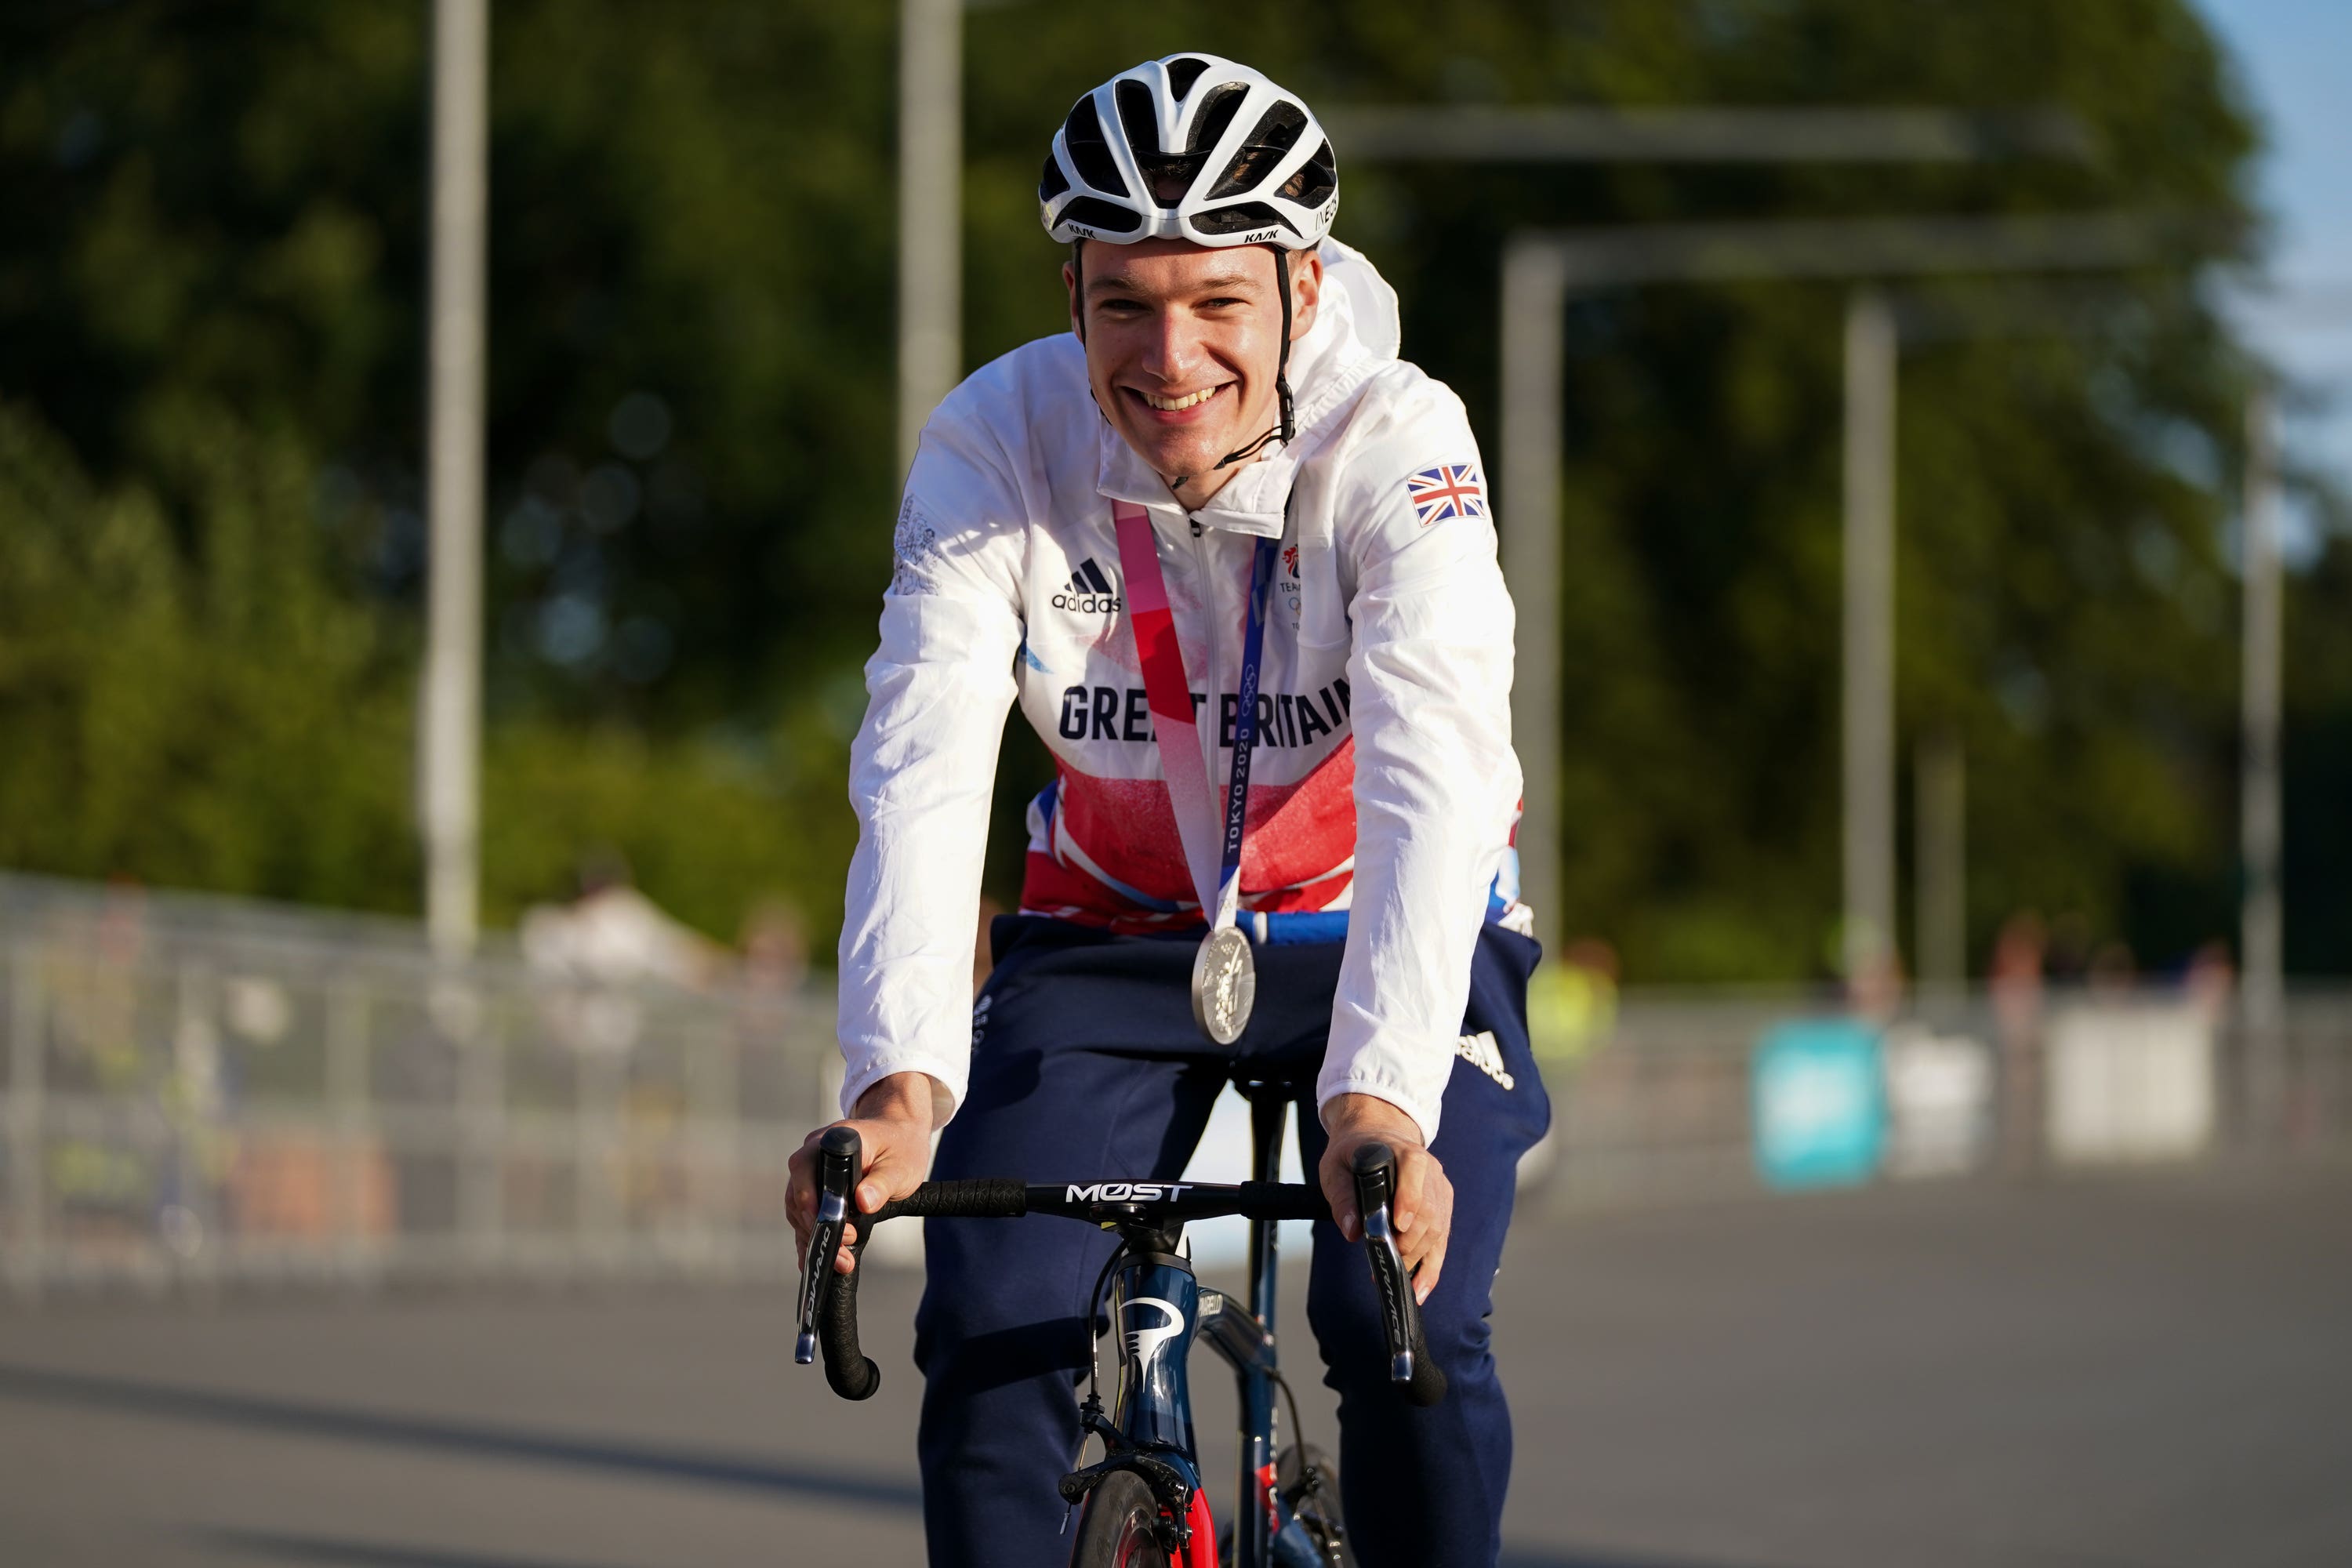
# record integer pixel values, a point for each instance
(894, 1123)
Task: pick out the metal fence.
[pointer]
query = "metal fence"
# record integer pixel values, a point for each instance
(2027, 1083)
(195, 1093)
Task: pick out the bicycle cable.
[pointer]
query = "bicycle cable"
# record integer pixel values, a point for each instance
(1093, 1336)
(1297, 1430)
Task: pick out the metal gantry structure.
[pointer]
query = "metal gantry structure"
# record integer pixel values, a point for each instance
(1557, 133)
(1541, 271)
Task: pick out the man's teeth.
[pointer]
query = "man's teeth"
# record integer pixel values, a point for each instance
(1171, 404)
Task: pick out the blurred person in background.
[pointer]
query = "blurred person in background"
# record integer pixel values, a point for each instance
(2066, 949)
(775, 948)
(2014, 976)
(613, 934)
(606, 945)
(1225, 474)
(2114, 971)
(2208, 980)
(1572, 1003)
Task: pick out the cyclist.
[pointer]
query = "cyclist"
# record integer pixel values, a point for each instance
(1220, 543)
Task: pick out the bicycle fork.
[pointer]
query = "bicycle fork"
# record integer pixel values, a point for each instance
(1265, 1532)
(1155, 1312)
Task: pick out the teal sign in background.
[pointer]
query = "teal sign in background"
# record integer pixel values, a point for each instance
(1820, 1103)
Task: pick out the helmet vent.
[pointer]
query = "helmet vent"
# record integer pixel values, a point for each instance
(1053, 181)
(1108, 216)
(1316, 179)
(1089, 153)
(1135, 116)
(1217, 112)
(1183, 73)
(1277, 134)
(1170, 179)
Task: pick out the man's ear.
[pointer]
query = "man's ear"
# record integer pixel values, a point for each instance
(1070, 286)
(1305, 291)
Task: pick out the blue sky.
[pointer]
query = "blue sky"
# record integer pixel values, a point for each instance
(2293, 57)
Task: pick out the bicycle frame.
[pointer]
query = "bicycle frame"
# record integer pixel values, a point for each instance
(1158, 1310)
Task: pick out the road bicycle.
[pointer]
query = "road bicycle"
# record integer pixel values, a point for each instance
(1143, 1503)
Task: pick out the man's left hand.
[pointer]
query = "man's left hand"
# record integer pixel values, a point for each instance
(1422, 1209)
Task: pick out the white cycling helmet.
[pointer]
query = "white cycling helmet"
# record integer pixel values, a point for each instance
(1191, 147)
(1196, 148)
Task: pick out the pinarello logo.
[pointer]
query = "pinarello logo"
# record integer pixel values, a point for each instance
(1144, 1338)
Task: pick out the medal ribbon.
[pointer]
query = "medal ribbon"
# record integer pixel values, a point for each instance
(1168, 695)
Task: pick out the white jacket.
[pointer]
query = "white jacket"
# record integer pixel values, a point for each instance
(1386, 786)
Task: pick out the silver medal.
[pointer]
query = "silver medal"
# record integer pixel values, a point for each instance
(1224, 984)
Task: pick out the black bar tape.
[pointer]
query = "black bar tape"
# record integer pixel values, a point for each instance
(848, 1368)
(991, 1198)
(1282, 1200)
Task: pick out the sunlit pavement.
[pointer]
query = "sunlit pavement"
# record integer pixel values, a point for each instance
(2152, 1373)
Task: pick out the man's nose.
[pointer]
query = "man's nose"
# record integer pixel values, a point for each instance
(1173, 349)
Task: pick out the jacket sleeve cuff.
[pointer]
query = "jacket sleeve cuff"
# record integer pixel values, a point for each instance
(1422, 1108)
(947, 1083)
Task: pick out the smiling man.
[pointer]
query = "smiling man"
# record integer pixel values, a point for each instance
(1222, 481)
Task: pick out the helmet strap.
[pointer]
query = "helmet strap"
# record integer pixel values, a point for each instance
(1287, 428)
(1078, 315)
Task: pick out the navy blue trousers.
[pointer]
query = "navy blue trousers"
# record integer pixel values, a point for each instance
(1085, 1063)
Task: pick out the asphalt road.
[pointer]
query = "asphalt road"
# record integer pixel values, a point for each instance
(2144, 1373)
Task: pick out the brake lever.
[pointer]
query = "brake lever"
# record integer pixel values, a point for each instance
(838, 1156)
(1411, 1366)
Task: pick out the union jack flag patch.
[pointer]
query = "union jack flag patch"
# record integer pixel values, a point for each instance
(1450, 489)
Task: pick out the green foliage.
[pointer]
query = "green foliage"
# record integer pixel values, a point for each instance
(215, 717)
(211, 553)
(228, 719)
(702, 826)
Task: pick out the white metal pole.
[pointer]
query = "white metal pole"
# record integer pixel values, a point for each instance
(1869, 682)
(451, 786)
(930, 212)
(1533, 319)
(2262, 934)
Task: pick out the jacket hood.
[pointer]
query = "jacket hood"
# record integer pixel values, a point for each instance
(1356, 333)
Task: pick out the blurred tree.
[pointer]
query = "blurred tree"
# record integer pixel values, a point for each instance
(209, 347)
(214, 717)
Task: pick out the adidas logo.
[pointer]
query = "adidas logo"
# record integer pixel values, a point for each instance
(1089, 592)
